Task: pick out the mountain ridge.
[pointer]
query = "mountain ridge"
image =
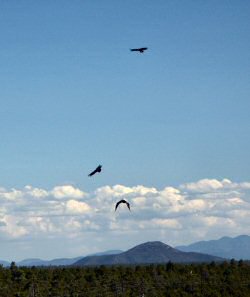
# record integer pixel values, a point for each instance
(227, 247)
(55, 262)
(146, 253)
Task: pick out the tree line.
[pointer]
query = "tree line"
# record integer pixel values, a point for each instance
(225, 279)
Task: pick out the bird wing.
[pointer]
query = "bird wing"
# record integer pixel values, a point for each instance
(117, 204)
(138, 49)
(128, 205)
(93, 172)
(122, 201)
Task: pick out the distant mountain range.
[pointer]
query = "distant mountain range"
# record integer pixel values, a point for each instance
(4, 263)
(149, 252)
(56, 262)
(225, 247)
(157, 252)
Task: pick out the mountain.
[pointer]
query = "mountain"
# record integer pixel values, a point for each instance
(54, 262)
(30, 262)
(4, 263)
(226, 247)
(149, 252)
(111, 252)
(59, 261)
(62, 261)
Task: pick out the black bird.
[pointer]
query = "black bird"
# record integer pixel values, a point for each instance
(122, 201)
(140, 50)
(98, 169)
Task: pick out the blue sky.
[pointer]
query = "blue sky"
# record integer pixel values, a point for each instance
(73, 96)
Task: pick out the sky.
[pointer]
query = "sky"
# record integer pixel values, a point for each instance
(171, 126)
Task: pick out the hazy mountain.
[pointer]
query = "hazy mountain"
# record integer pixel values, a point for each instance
(54, 262)
(111, 252)
(4, 263)
(30, 262)
(149, 252)
(226, 247)
(60, 261)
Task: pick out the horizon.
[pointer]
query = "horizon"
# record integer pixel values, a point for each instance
(170, 126)
(83, 221)
(121, 251)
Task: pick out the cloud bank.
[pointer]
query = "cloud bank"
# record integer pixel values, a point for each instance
(205, 209)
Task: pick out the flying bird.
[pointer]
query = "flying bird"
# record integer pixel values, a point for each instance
(122, 201)
(98, 169)
(140, 50)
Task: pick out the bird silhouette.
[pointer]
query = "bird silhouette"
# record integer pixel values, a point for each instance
(140, 49)
(98, 169)
(122, 201)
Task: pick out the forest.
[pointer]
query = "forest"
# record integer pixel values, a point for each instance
(172, 280)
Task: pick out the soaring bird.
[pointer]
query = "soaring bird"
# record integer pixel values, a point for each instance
(98, 169)
(122, 201)
(140, 50)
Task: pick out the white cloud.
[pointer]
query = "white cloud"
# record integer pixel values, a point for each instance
(120, 190)
(67, 191)
(205, 185)
(197, 205)
(36, 192)
(74, 206)
(11, 227)
(41, 224)
(245, 185)
(207, 208)
(167, 223)
(139, 201)
(11, 195)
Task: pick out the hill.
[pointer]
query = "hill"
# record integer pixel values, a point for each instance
(149, 252)
(4, 263)
(59, 261)
(225, 247)
(54, 262)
